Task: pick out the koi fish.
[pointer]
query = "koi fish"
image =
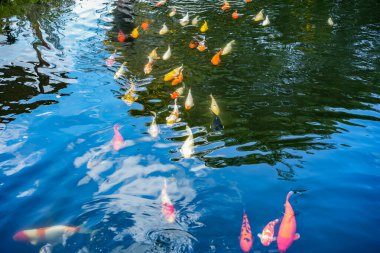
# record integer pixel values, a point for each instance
(259, 16)
(228, 47)
(135, 33)
(248, 1)
(118, 140)
(215, 60)
(216, 124)
(167, 54)
(173, 12)
(202, 46)
(235, 15)
(111, 60)
(168, 209)
(174, 115)
(153, 55)
(187, 149)
(189, 103)
(178, 79)
(330, 22)
(204, 27)
(164, 30)
(177, 93)
(160, 3)
(266, 22)
(267, 236)
(185, 20)
(120, 71)
(172, 74)
(148, 67)
(130, 95)
(193, 44)
(246, 239)
(287, 233)
(226, 6)
(145, 25)
(121, 36)
(195, 21)
(153, 129)
(53, 235)
(214, 106)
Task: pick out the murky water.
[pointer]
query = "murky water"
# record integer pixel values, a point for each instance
(299, 102)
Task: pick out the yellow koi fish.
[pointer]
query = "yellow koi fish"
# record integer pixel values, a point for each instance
(173, 74)
(135, 33)
(214, 106)
(204, 27)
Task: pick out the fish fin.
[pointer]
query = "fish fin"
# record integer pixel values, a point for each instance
(274, 238)
(178, 120)
(259, 235)
(34, 241)
(297, 236)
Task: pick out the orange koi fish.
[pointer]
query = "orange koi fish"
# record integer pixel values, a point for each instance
(235, 15)
(193, 44)
(149, 66)
(121, 36)
(177, 93)
(287, 233)
(145, 25)
(51, 235)
(246, 239)
(201, 46)
(178, 79)
(160, 3)
(167, 206)
(248, 1)
(118, 140)
(226, 6)
(216, 58)
(267, 236)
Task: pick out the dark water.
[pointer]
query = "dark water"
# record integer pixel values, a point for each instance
(299, 102)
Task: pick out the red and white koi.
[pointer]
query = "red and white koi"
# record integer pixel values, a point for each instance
(246, 239)
(111, 60)
(168, 208)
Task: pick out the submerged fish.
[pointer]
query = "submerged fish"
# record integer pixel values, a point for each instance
(168, 209)
(120, 71)
(145, 25)
(287, 233)
(121, 36)
(246, 239)
(195, 21)
(153, 55)
(173, 74)
(177, 93)
(111, 60)
(226, 6)
(204, 27)
(164, 29)
(266, 22)
(167, 54)
(330, 22)
(160, 3)
(193, 44)
(118, 140)
(130, 95)
(189, 103)
(228, 47)
(235, 15)
(55, 234)
(178, 79)
(173, 12)
(259, 16)
(202, 46)
(215, 60)
(149, 66)
(135, 33)
(187, 149)
(153, 129)
(185, 20)
(214, 106)
(267, 236)
(174, 115)
(216, 124)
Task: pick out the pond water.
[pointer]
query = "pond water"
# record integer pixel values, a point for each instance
(299, 101)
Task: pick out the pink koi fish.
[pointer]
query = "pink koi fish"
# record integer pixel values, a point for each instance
(118, 140)
(267, 236)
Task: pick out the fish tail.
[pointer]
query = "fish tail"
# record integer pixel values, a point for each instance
(289, 194)
(154, 114)
(116, 127)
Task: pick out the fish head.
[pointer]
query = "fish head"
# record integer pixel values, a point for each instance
(21, 236)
